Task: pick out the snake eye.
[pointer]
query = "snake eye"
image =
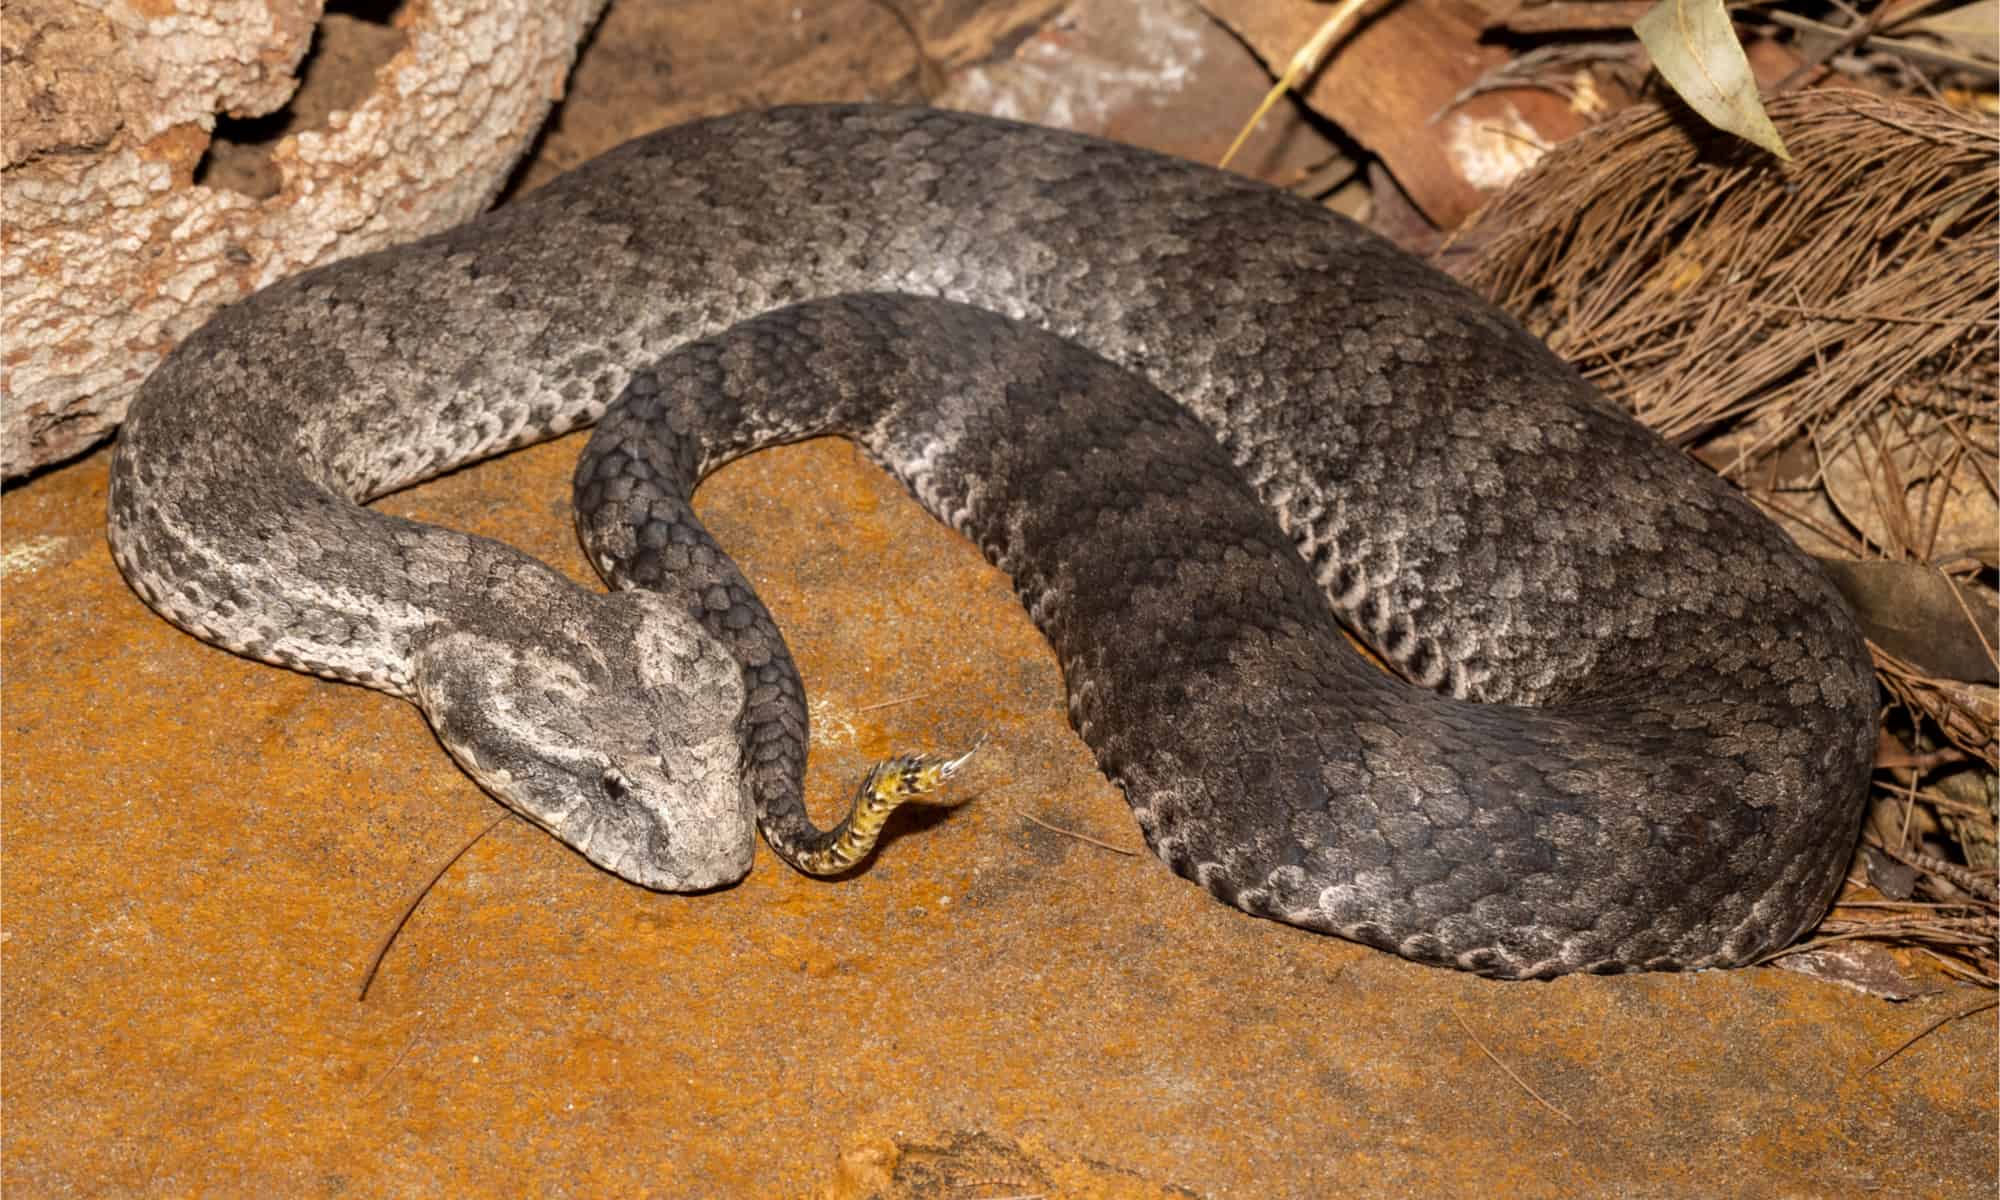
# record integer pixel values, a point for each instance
(615, 788)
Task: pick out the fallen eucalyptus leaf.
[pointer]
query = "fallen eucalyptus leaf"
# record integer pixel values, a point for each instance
(1897, 881)
(1971, 29)
(1695, 50)
(1858, 965)
(1922, 616)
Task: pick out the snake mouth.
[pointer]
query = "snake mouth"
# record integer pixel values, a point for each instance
(649, 856)
(668, 837)
(662, 835)
(696, 880)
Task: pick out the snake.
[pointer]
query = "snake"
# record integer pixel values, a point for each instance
(1614, 718)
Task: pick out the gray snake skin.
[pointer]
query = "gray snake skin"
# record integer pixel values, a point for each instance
(1640, 725)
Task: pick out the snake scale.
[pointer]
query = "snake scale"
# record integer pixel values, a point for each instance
(1635, 723)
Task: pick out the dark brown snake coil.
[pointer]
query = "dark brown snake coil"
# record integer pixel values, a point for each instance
(1653, 718)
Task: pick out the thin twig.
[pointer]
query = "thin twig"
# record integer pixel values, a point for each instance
(394, 1063)
(1304, 63)
(1828, 313)
(1979, 630)
(1081, 837)
(1539, 1099)
(1858, 35)
(1904, 760)
(893, 701)
(1931, 1028)
(410, 910)
(1963, 878)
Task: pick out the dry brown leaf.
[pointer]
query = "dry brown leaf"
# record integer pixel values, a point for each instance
(1923, 616)
(1972, 30)
(1695, 50)
(1921, 486)
(1863, 966)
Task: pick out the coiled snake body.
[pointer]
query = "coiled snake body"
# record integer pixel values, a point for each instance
(1652, 720)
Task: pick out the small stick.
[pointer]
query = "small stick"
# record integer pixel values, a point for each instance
(1904, 760)
(400, 1056)
(382, 951)
(1510, 1071)
(1081, 837)
(892, 702)
(1931, 1028)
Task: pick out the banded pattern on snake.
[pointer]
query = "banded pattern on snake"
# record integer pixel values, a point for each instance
(1653, 718)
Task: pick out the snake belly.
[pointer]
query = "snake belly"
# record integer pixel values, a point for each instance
(1640, 724)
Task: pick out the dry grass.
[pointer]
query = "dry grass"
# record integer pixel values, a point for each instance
(1706, 284)
(1827, 334)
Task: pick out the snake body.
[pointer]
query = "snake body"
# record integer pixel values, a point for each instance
(1640, 724)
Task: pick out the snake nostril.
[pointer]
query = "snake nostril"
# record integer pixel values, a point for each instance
(616, 788)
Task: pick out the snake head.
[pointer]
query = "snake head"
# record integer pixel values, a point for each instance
(612, 723)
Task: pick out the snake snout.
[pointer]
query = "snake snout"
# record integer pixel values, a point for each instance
(666, 832)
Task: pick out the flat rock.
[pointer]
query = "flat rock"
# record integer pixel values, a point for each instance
(203, 855)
